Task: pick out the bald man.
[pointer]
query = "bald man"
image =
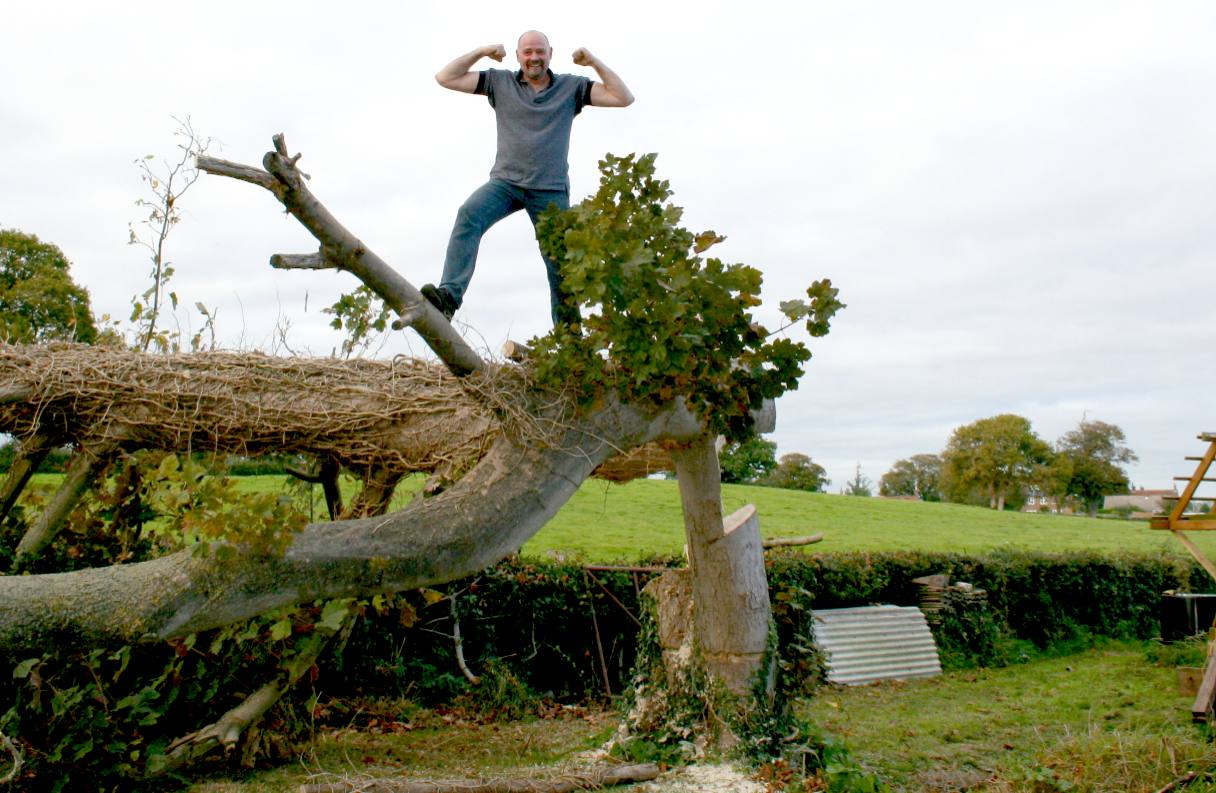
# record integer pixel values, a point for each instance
(534, 109)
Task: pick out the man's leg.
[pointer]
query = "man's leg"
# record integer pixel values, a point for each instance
(536, 202)
(489, 204)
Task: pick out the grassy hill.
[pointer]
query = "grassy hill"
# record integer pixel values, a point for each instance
(606, 522)
(627, 522)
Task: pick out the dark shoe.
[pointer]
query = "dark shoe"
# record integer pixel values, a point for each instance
(438, 297)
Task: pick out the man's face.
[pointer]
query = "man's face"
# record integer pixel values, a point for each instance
(534, 53)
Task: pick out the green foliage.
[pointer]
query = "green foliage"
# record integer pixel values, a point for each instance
(747, 461)
(996, 458)
(1088, 463)
(96, 719)
(39, 301)
(197, 509)
(969, 634)
(661, 322)
(56, 460)
(363, 316)
(797, 472)
(920, 475)
(99, 719)
(859, 485)
(1046, 599)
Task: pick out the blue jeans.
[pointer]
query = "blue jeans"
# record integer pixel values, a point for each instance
(489, 204)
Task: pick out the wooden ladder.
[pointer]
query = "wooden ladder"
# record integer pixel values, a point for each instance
(1204, 708)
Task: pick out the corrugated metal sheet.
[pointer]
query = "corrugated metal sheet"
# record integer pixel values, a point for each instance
(871, 643)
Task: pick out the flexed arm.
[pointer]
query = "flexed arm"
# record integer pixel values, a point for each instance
(611, 91)
(456, 75)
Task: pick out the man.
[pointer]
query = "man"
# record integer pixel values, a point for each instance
(534, 109)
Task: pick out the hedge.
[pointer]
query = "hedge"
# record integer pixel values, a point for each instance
(100, 715)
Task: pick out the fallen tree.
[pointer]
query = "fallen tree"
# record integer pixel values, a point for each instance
(667, 353)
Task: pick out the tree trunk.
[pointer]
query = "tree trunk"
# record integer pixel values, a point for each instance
(731, 611)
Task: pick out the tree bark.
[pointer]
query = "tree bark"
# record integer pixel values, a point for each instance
(486, 515)
(731, 610)
(34, 450)
(84, 469)
(591, 779)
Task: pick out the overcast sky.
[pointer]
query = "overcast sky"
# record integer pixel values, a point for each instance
(1016, 200)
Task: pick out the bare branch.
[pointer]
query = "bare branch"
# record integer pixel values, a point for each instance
(245, 173)
(569, 782)
(18, 760)
(789, 542)
(458, 642)
(348, 253)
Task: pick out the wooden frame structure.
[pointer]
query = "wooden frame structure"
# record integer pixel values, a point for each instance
(1204, 708)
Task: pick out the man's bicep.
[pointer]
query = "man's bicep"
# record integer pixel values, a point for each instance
(466, 83)
(602, 97)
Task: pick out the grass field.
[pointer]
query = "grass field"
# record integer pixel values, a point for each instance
(1106, 720)
(607, 522)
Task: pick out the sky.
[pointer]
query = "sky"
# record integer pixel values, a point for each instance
(1015, 200)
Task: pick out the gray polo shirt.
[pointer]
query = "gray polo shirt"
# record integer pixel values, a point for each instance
(534, 128)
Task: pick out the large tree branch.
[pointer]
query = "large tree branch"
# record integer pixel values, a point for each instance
(343, 250)
(485, 516)
(84, 469)
(32, 452)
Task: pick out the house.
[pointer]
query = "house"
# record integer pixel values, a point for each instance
(1142, 502)
(1039, 501)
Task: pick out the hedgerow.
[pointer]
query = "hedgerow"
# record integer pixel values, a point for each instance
(103, 715)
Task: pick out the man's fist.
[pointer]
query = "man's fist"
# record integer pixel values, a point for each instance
(582, 57)
(495, 51)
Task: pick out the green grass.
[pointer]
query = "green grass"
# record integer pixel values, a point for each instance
(626, 522)
(1103, 720)
(606, 522)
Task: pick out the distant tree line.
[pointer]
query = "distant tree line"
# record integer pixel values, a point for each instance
(755, 462)
(997, 461)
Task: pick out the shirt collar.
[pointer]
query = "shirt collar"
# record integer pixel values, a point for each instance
(519, 78)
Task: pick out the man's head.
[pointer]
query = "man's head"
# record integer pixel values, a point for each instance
(534, 53)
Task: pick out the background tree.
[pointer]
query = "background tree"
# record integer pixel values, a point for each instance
(1089, 463)
(997, 457)
(859, 485)
(919, 475)
(747, 461)
(39, 301)
(797, 472)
